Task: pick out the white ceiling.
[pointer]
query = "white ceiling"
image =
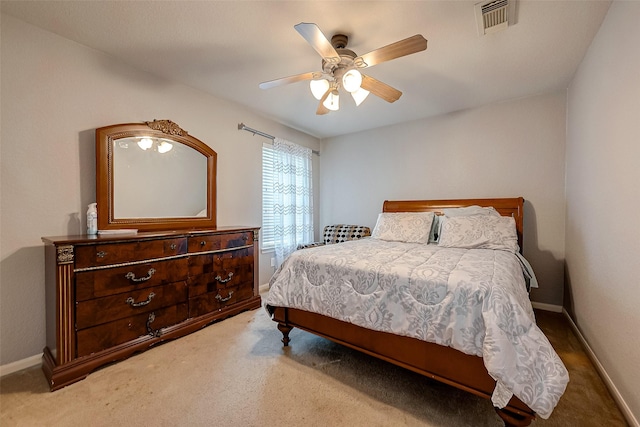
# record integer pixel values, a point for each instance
(226, 48)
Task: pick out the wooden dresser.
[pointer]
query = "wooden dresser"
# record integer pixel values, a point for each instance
(109, 297)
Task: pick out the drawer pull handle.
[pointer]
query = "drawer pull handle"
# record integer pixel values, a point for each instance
(132, 276)
(133, 303)
(203, 243)
(101, 254)
(153, 333)
(221, 280)
(173, 246)
(221, 299)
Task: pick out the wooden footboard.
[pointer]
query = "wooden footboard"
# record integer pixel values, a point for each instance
(440, 363)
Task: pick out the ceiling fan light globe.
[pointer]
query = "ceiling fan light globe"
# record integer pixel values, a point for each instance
(318, 88)
(145, 143)
(352, 80)
(333, 101)
(359, 96)
(165, 147)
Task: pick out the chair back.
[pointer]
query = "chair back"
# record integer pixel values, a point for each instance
(338, 233)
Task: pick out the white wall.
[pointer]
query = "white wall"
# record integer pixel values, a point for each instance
(54, 94)
(603, 198)
(510, 149)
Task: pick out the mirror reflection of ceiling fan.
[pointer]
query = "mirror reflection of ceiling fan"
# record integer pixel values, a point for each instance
(340, 68)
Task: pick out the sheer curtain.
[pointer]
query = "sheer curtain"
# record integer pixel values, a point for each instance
(293, 210)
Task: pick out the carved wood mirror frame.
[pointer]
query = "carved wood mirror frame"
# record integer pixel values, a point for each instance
(106, 138)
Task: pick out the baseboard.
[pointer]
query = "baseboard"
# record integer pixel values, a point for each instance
(19, 365)
(547, 307)
(263, 288)
(624, 408)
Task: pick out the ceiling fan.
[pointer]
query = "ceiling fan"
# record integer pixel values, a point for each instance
(340, 68)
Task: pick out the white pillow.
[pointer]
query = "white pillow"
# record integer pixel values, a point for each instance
(470, 210)
(452, 212)
(479, 231)
(411, 227)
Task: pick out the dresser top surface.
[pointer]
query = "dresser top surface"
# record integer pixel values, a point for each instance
(104, 238)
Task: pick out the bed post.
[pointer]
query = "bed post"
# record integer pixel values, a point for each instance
(285, 329)
(280, 315)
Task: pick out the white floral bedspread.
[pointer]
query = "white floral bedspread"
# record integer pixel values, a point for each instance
(473, 300)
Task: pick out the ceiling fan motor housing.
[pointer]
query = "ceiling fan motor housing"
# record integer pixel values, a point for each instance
(339, 41)
(347, 57)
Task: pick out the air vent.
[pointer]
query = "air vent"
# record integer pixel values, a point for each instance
(495, 15)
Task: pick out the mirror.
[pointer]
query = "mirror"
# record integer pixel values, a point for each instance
(154, 176)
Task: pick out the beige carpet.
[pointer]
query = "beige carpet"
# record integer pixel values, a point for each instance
(236, 373)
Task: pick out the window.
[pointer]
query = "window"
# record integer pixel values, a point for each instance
(287, 211)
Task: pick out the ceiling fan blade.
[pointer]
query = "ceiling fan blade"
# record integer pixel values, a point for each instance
(395, 50)
(380, 89)
(312, 34)
(290, 79)
(321, 108)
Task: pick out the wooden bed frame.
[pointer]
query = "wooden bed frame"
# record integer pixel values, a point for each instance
(437, 362)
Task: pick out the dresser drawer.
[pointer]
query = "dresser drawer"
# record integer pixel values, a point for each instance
(103, 310)
(121, 331)
(122, 252)
(209, 271)
(219, 298)
(110, 281)
(214, 242)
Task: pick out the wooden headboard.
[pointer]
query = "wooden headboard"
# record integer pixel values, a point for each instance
(506, 207)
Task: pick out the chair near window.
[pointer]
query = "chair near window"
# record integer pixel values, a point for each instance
(339, 233)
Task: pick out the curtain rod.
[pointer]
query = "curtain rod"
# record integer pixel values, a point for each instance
(242, 126)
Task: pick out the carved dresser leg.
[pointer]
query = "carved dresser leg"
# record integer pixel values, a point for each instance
(285, 329)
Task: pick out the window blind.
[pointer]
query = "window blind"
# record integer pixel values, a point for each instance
(268, 223)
